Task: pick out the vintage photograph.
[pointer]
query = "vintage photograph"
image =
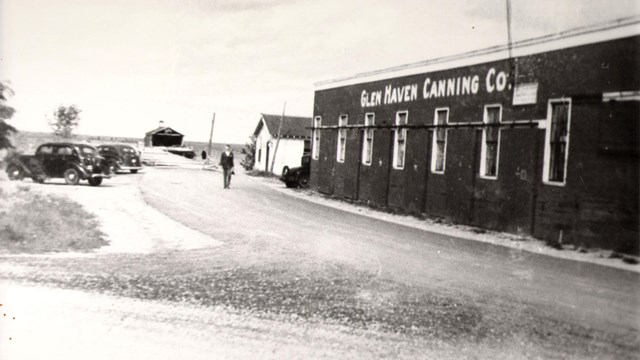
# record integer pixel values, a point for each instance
(298, 179)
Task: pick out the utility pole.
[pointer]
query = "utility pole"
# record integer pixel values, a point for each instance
(509, 40)
(211, 134)
(514, 66)
(275, 151)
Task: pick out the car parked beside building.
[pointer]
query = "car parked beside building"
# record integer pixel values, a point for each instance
(121, 157)
(297, 176)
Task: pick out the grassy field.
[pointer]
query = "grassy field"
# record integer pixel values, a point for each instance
(35, 223)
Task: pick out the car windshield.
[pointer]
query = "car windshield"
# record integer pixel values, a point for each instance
(87, 150)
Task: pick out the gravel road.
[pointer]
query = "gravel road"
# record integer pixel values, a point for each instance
(252, 272)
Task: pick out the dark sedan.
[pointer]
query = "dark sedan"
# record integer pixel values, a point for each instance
(121, 157)
(297, 176)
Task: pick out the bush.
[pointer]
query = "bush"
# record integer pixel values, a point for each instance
(35, 223)
(249, 152)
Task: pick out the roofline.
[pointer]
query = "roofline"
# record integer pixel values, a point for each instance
(162, 128)
(72, 143)
(616, 29)
(264, 124)
(286, 116)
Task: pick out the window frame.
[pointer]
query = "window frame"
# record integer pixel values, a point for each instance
(483, 151)
(364, 140)
(546, 170)
(340, 133)
(434, 145)
(395, 141)
(315, 146)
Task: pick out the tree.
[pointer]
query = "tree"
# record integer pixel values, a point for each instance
(65, 119)
(6, 112)
(249, 152)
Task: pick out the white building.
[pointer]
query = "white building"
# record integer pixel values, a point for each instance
(295, 140)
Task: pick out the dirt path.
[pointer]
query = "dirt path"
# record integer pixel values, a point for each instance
(128, 222)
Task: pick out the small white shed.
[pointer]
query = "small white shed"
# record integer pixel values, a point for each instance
(295, 140)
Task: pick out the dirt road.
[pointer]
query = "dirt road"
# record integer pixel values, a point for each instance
(359, 286)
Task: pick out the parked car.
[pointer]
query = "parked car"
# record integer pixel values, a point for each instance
(297, 176)
(121, 157)
(71, 161)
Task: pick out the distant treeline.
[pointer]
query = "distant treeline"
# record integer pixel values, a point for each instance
(28, 141)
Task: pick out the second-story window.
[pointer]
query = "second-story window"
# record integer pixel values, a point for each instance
(490, 142)
(400, 143)
(315, 150)
(367, 145)
(556, 150)
(439, 148)
(342, 138)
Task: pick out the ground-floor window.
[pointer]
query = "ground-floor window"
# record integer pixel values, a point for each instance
(439, 148)
(400, 143)
(490, 142)
(556, 150)
(315, 150)
(342, 138)
(367, 145)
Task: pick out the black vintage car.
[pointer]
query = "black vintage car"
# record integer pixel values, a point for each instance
(71, 161)
(297, 176)
(121, 157)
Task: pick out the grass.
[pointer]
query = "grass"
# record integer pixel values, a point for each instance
(261, 173)
(35, 223)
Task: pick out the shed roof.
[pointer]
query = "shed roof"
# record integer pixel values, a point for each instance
(292, 126)
(164, 130)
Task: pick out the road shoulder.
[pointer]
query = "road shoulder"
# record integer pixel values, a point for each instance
(513, 241)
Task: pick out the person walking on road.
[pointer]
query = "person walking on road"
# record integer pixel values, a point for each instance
(226, 161)
(203, 154)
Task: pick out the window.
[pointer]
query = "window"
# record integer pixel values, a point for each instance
(367, 145)
(400, 143)
(490, 142)
(342, 137)
(64, 150)
(556, 149)
(87, 150)
(315, 150)
(46, 149)
(439, 148)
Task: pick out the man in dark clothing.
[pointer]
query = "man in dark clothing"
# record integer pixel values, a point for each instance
(226, 161)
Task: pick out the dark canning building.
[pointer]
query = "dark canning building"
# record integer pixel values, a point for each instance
(537, 138)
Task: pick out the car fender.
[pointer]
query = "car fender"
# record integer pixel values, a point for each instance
(23, 164)
(81, 169)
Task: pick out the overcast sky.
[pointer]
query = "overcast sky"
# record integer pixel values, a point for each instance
(130, 63)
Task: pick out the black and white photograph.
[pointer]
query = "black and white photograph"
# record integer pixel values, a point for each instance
(299, 179)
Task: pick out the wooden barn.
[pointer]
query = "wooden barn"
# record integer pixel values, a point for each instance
(163, 136)
(169, 139)
(539, 137)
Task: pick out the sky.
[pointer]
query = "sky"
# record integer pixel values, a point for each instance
(127, 64)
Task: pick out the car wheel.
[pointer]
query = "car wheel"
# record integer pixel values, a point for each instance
(291, 184)
(303, 182)
(14, 172)
(133, 171)
(72, 176)
(95, 181)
